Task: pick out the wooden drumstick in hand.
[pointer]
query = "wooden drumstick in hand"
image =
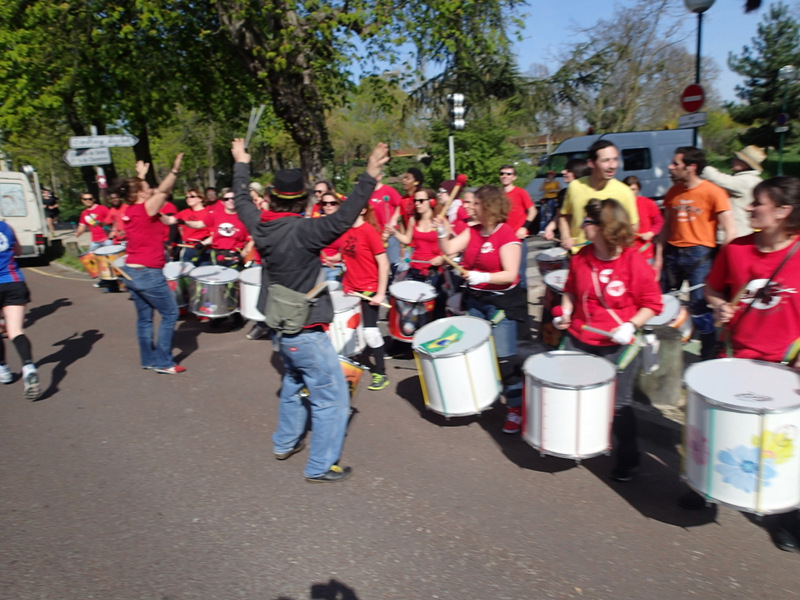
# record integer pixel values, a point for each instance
(455, 265)
(368, 298)
(461, 180)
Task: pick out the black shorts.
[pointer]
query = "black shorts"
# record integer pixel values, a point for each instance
(14, 293)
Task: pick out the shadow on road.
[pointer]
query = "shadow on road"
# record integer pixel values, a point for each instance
(185, 338)
(45, 310)
(75, 347)
(333, 590)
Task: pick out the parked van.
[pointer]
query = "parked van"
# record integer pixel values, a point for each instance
(21, 207)
(646, 154)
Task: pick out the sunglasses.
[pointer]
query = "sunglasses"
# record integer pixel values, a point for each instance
(319, 191)
(226, 198)
(509, 173)
(86, 198)
(418, 200)
(192, 196)
(589, 222)
(329, 203)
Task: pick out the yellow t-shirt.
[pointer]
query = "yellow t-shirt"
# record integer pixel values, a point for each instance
(551, 189)
(579, 192)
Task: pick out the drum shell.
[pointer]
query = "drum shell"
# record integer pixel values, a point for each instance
(105, 256)
(249, 291)
(412, 306)
(213, 291)
(673, 321)
(569, 420)
(347, 328)
(89, 262)
(744, 457)
(554, 287)
(552, 259)
(177, 276)
(463, 382)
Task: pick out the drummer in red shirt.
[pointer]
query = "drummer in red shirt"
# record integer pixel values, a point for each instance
(521, 214)
(191, 236)
(611, 288)
(229, 240)
(650, 219)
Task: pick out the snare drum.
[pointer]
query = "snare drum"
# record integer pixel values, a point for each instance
(213, 291)
(89, 262)
(176, 274)
(457, 366)
(554, 288)
(569, 403)
(249, 290)
(347, 329)
(552, 259)
(673, 316)
(412, 305)
(106, 255)
(742, 434)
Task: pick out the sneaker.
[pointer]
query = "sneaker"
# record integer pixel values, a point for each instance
(298, 447)
(624, 473)
(335, 474)
(97, 284)
(513, 420)
(31, 381)
(5, 374)
(378, 382)
(173, 370)
(259, 332)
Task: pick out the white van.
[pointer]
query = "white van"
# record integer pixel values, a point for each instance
(21, 207)
(646, 154)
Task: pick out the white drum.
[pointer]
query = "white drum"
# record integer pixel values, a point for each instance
(457, 366)
(249, 290)
(347, 330)
(569, 403)
(176, 275)
(213, 291)
(412, 305)
(673, 316)
(742, 434)
(552, 259)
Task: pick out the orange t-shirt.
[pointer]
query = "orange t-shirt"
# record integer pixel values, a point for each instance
(692, 214)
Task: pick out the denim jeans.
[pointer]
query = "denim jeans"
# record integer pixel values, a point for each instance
(504, 333)
(310, 361)
(150, 292)
(692, 263)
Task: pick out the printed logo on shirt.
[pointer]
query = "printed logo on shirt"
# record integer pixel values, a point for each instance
(686, 211)
(614, 287)
(769, 297)
(4, 243)
(487, 248)
(226, 229)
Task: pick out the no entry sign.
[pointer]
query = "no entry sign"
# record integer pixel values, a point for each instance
(692, 98)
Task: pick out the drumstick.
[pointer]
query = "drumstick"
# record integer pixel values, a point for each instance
(455, 265)
(734, 305)
(121, 272)
(365, 297)
(314, 292)
(596, 330)
(460, 181)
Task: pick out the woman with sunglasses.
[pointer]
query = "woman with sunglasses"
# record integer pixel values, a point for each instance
(193, 237)
(611, 288)
(492, 253)
(331, 256)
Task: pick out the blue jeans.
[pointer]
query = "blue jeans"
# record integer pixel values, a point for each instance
(310, 361)
(504, 333)
(150, 292)
(692, 263)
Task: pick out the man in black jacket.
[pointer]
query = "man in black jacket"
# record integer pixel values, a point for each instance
(289, 246)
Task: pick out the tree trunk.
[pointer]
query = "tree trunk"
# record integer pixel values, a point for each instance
(142, 151)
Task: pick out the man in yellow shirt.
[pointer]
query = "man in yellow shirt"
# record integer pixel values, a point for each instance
(603, 160)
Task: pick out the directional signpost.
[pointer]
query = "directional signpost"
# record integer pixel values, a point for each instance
(88, 157)
(103, 141)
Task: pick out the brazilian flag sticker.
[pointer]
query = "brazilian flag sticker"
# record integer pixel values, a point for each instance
(449, 337)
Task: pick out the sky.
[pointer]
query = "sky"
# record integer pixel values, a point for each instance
(726, 28)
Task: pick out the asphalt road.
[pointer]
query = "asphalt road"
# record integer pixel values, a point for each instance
(125, 484)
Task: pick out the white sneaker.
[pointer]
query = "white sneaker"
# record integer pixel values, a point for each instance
(5, 374)
(30, 378)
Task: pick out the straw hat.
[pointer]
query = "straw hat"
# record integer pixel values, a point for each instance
(753, 156)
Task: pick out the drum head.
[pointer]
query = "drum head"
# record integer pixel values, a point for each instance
(451, 336)
(251, 276)
(555, 254)
(106, 250)
(567, 369)
(342, 302)
(173, 270)
(214, 273)
(745, 385)
(672, 306)
(119, 262)
(412, 291)
(556, 279)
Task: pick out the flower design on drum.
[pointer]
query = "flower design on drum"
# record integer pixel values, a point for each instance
(778, 445)
(698, 445)
(739, 467)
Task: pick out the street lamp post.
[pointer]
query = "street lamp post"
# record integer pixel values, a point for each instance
(698, 7)
(786, 74)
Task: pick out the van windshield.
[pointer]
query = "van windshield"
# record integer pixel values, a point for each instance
(558, 162)
(12, 200)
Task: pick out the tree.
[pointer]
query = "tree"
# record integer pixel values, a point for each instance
(777, 43)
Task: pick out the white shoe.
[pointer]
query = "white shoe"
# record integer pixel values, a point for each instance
(30, 378)
(5, 374)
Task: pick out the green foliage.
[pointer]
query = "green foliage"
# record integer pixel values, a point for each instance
(720, 133)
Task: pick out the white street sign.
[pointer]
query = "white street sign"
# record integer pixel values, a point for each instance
(692, 120)
(88, 157)
(782, 129)
(103, 141)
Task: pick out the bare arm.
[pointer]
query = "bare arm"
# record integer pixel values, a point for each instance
(728, 225)
(154, 203)
(383, 279)
(564, 228)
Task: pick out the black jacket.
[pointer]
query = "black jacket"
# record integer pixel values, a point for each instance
(289, 246)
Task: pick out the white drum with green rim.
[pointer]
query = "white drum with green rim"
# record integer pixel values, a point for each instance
(569, 403)
(457, 366)
(742, 433)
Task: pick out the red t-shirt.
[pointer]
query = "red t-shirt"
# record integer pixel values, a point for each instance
(650, 219)
(93, 218)
(227, 231)
(334, 248)
(520, 203)
(625, 283)
(483, 253)
(426, 247)
(145, 237)
(406, 206)
(383, 202)
(359, 246)
(460, 222)
(114, 218)
(189, 234)
(772, 324)
(168, 209)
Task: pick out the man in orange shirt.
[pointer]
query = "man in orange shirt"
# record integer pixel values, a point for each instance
(693, 208)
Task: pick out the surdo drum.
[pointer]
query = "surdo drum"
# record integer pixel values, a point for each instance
(673, 316)
(176, 274)
(552, 259)
(249, 290)
(412, 305)
(213, 291)
(347, 329)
